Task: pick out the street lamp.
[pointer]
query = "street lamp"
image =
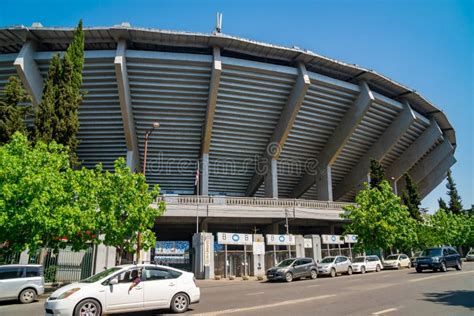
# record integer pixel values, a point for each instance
(147, 136)
(394, 185)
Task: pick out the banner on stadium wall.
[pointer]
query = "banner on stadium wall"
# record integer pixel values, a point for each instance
(280, 240)
(234, 239)
(332, 239)
(350, 239)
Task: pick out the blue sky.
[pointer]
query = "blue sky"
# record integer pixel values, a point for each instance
(426, 45)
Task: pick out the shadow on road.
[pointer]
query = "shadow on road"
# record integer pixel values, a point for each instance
(150, 313)
(453, 298)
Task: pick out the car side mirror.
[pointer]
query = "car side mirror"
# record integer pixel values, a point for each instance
(113, 281)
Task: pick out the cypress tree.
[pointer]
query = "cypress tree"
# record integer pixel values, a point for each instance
(57, 116)
(455, 205)
(411, 198)
(377, 174)
(442, 204)
(12, 113)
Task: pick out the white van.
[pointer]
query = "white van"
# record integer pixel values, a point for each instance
(363, 264)
(21, 282)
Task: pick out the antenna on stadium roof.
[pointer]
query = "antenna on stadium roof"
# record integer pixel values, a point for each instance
(218, 22)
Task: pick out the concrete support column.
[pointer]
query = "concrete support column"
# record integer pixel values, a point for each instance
(203, 262)
(271, 179)
(205, 174)
(299, 244)
(29, 73)
(258, 259)
(133, 161)
(324, 184)
(104, 258)
(316, 242)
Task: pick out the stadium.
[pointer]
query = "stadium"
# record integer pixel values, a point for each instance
(278, 138)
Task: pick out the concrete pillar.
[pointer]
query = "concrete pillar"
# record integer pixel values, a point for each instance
(24, 257)
(104, 258)
(299, 244)
(316, 241)
(324, 184)
(271, 179)
(258, 259)
(203, 263)
(205, 174)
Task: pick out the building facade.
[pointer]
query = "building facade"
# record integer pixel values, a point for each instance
(278, 134)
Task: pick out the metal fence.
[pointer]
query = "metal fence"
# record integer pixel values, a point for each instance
(64, 265)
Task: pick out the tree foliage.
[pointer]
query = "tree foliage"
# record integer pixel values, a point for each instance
(442, 204)
(57, 114)
(377, 173)
(44, 202)
(125, 213)
(12, 112)
(380, 220)
(455, 205)
(411, 198)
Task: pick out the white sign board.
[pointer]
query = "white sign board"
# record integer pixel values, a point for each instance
(234, 239)
(350, 239)
(258, 248)
(332, 239)
(308, 243)
(280, 240)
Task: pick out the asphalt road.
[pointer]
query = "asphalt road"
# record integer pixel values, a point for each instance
(386, 293)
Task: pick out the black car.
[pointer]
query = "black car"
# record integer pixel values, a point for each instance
(293, 268)
(440, 258)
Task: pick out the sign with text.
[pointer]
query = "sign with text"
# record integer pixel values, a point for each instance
(234, 239)
(350, 239)
(332, 239)
(258, 248)
(308, 243)
(280, 240)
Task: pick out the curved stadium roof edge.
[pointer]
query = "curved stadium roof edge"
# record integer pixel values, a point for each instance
(12, 38)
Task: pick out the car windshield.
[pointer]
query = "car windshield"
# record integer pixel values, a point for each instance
(327, 260)
(100, 275)
(392, 257)
(359, 259)
(285, 263)
(431, 252)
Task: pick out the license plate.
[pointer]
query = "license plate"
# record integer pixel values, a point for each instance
(270, 275)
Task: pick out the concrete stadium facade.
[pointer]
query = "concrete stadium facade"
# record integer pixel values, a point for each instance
(276, 130)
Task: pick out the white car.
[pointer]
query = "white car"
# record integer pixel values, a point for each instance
(363, 264)
(397, 261)
(126, 288)
(334, 265)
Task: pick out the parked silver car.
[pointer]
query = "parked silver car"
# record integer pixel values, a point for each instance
(21, 282)
(293, 268)
(334, 265)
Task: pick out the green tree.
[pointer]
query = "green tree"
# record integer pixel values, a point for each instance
(455, 205)
(57, 115)
(125, 211)
(411, 198)
(43, 202)
(377, 173)
(442, 204)
(12, 112)
(379, 220)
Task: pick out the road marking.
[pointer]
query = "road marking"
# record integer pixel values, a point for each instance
(253, 308)
(315, 285)
(388, 310)
(256, 293)
(438, 276)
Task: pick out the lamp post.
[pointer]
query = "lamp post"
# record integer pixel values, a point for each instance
(395, 190)
(147, 136)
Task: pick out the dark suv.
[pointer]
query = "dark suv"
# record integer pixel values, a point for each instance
(440, 258)
(293, 268)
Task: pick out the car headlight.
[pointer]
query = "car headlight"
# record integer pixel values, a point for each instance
(68, 293)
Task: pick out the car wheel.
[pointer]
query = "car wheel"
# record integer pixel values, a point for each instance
(377, 269)
(88, 307)
(458, 265)
(362, 270)
(314, 274)
(333, 273)
(27, 296)
(349, 271)
(419, 270)
(443, 267)
(288, 277)
(179, 303)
